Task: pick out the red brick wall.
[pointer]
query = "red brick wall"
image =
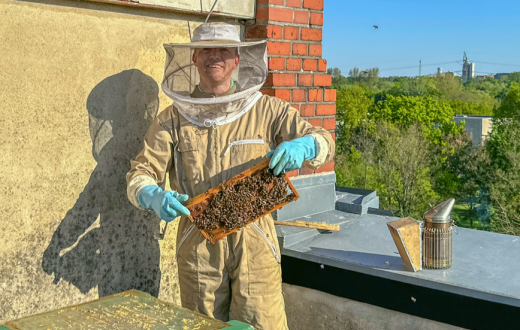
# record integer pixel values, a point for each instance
(297, 73)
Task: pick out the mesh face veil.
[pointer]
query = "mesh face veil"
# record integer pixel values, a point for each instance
(181, 76)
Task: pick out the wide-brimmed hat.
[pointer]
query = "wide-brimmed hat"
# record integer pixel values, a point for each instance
(215, 35)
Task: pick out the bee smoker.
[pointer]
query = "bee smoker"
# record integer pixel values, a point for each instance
(437, 236)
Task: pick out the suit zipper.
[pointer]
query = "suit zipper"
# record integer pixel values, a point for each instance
(186, 233)
(277, 257)
(237, 143)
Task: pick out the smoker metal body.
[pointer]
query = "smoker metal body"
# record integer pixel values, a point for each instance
(437, 240)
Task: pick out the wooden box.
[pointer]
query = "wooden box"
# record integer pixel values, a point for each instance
(406, 233)
(198, 204)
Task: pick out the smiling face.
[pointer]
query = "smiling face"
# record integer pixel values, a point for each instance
(216, 65)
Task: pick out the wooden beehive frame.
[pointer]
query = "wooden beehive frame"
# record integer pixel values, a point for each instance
(219, 233)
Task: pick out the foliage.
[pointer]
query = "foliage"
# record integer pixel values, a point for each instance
(470, 108)
(502, 142)
(490, 86)
(418, 86)
(393, 161)
(353, 105)
(465, 216)
(397, 136)
(513, 77)
(448, 85)
(464, 176)
(337, 79)
(510, 106)
(504, 186)
(403, 169)
(368, 77)
(350, 170)
(436, 118)
(487, 92)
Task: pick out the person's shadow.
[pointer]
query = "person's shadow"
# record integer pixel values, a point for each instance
(121, 253)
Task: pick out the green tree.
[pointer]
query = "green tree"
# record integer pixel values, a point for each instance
(448, 85)
(490, 86)
(416, 86)
(353, 104)
(465, 175)
(436, 118)
(350, 169)
(337, 78)
(504, 184)
(393, 161)
(335, 72)
(370, 77)
(384, 85)
(474, 96)
(367, 78)
(402, 169)
(510, 106)
(354, 74)
(502, 142)
(513, 77)
(470, 108)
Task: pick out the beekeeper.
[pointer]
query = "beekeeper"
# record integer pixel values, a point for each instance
(218, 126)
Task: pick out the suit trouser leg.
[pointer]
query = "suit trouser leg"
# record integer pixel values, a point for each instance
(204, 281)
(257, 277)
(248, 259)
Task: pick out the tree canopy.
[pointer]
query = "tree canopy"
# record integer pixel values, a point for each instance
(397, 135)
(436, 118)
(510, 106)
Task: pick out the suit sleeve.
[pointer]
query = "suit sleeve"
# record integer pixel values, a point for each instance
(151, 165)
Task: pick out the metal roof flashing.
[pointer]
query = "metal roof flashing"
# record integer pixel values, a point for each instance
(317, 195)
(483, 262)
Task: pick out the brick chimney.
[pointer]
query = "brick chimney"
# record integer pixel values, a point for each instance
(297, 72)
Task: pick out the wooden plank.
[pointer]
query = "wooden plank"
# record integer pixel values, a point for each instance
(304, 224)
(199, 203)
(406, 233)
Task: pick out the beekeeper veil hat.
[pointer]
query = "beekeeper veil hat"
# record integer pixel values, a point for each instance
(181, 76)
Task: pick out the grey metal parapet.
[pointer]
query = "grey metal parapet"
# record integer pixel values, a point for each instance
(381, 212)
(356, 201)
(317, 195)
(485, 265)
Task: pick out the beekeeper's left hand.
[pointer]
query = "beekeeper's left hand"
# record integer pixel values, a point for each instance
(290, 155)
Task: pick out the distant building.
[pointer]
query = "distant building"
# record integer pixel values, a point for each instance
(468, 68)
(485, 76)
(478, 127)
(500, 75)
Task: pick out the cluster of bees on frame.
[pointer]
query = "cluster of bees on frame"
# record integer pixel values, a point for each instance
(235, 206)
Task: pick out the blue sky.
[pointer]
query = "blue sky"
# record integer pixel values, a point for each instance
(434, 31)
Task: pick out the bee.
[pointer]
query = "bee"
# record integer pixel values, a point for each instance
(235, 206)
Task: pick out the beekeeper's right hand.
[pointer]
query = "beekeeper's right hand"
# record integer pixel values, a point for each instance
(167, 204)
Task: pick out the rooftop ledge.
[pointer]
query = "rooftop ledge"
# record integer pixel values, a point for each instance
(361, 261)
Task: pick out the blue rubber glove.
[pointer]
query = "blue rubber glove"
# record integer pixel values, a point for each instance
(167, 204)
(290, 155)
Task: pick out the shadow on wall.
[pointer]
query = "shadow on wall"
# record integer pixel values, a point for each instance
(121, 253)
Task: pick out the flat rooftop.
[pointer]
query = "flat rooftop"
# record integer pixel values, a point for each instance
(361, 262)
(484, 263)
